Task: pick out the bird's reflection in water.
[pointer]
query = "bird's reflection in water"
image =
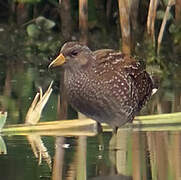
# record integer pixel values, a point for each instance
(117, 165)
(111, 163)
(123, 156)
(118, 146)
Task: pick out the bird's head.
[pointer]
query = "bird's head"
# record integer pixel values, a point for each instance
(73, 55)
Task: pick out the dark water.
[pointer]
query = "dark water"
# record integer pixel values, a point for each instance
(138, 155)
(132, 155)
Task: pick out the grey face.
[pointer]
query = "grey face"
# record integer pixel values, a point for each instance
(76, 55)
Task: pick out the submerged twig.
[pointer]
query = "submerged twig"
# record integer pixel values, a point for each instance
(39, 150)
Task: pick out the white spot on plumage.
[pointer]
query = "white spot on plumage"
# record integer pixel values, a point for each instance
(154, 91)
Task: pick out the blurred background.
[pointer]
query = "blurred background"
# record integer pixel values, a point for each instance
(31, 34)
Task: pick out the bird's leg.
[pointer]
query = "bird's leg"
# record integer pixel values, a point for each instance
(115, 129)
(100, 138)
(113, 141)
(99, 127)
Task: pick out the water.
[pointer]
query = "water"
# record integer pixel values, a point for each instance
(139, 155)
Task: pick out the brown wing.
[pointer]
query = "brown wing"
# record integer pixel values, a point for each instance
(142, 79)
(118, 85)
(117, 61)
(111, 63)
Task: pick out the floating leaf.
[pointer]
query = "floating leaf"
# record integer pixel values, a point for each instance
(33, 31)
(44, 23)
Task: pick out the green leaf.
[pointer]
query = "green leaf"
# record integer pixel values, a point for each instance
(172, 28)
(165, 2)
(33, 31)
(161, 13)
(44, 23)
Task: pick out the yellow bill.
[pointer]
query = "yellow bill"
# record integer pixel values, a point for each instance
(58, 61)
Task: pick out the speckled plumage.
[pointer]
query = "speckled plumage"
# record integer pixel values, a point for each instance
(105, 85)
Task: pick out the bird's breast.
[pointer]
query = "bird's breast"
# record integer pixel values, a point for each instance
(100, 96)
(87, 95)
(79, 87)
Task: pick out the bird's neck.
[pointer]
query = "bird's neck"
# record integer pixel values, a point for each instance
(75, 73)
(76, 80)
(78, 70)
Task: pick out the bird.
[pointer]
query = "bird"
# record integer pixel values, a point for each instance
(105, 85)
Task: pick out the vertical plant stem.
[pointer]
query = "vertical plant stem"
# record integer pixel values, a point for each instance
(178, 11)
(83, 20)
(62, 106)
(81, 158)
(135, 29)
(151, 19)
(108, 8)
(57, 173)
(124, 13)
(66, 20)
(139, 156)
(122, 152)
(160, 36)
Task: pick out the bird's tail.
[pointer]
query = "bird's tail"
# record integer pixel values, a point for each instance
(156, 83)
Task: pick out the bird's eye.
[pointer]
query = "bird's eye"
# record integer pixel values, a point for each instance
(74, 53)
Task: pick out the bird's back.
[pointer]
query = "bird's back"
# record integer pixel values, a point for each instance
(129, 85)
